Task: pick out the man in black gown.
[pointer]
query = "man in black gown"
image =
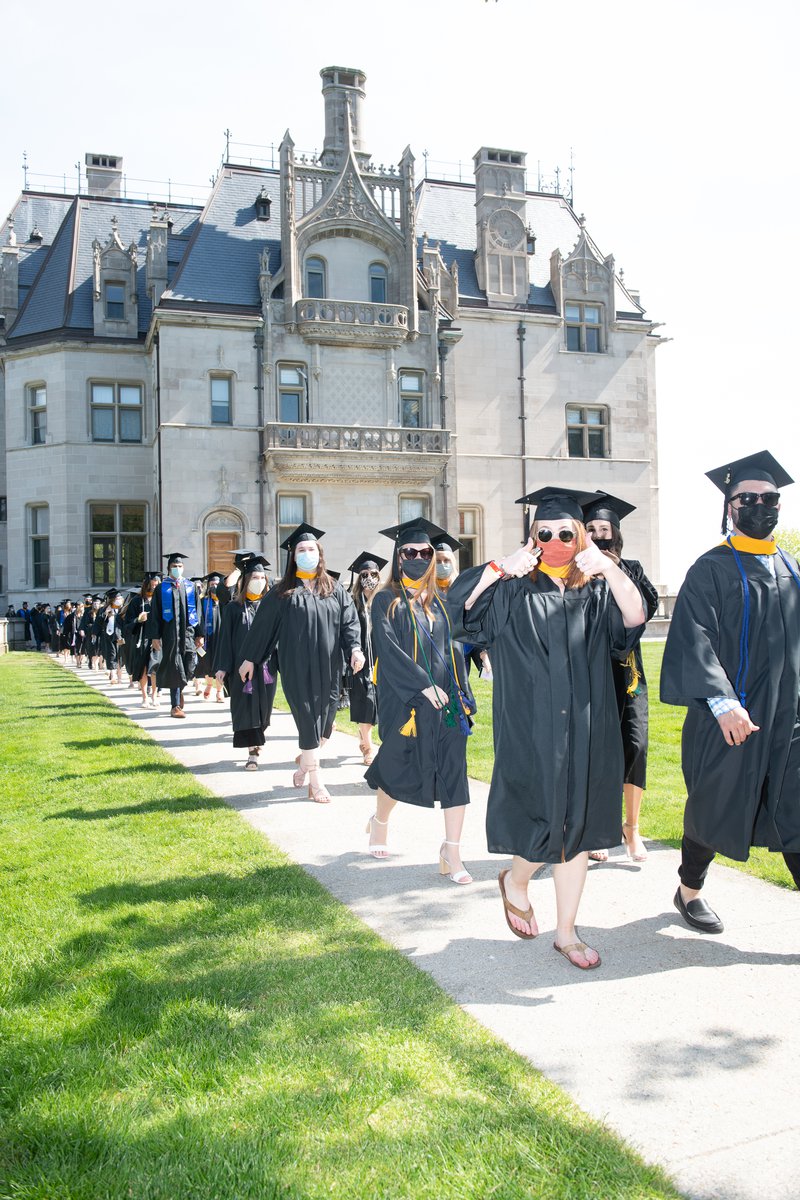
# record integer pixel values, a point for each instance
(173, 627)
(733, 656)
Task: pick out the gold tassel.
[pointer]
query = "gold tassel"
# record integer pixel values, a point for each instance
(375, 672)
(633, 686)
(410, 727)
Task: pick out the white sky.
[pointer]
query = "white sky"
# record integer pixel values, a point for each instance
(681, 117)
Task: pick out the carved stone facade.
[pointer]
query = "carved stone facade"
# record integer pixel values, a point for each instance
(323, 339)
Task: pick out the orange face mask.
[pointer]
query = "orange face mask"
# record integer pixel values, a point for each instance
(556, 553)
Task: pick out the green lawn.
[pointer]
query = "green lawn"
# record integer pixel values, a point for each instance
(185, 1015)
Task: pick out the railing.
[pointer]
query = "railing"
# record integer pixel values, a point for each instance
(352, 312)
(368, 438)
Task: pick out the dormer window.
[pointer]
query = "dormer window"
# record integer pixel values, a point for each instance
(378, 281)
(584, 327)
(315, 279)
(263, 204)
(114, 295)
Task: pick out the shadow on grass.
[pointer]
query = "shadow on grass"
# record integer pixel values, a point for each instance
(178, 805)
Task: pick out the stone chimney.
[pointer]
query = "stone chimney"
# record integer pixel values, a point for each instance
(343, 89)
(157, 256)
(104, 174)
(9, 278)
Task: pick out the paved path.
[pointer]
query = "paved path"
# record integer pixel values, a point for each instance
(685, 1044)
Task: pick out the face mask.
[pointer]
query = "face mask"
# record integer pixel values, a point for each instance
(414, 568)
(255, 585)
(556, 553)
(444, 570)
(117, 603)
(307, 560)
(756, 521)
(369, 583)
(603, 543)
(176, 572)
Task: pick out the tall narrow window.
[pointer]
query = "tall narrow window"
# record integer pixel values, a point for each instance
(378, 278)
(292, 395)
(468, 524)
(116, 412)
(114, 295)
(587, 431)
(584, 327)
(315, 278)
(221, 400)
(117, 540)
(291, 513)
(40, 545)
(411, 397)
(37, 402)
(413, 506)
(3, 510)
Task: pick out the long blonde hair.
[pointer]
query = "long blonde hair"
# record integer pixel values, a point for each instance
(575, 577)
(427, 584)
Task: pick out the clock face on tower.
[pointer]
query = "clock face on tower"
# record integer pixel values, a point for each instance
(506, 229)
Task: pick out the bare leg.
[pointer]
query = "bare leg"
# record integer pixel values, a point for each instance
(453, 825)
(516, 889)
(569, 878)
(378, 826)
(630, 830)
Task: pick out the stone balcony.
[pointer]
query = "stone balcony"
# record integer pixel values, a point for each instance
(355, 453)
(351, 322)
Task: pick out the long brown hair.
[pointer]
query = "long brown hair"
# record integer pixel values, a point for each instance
(323, 583)
(575, 577)
(427, 584)
(240, 592)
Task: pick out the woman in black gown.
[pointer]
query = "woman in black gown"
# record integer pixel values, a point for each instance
(136, 640)
(251, 702)
(425, 706)
(312, 620)
(602, 519)
(553, 614)
(363, 706)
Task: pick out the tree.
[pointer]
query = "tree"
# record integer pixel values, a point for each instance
(789, 540)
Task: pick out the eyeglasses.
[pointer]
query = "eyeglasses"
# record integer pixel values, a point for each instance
(769, 499)
(564, 535)
(410, 553)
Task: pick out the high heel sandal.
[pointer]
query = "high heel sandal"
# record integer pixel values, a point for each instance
(376, 849)
(461, 876)
(319, 793)
(367, 752)
(641, 855)
(300, 775)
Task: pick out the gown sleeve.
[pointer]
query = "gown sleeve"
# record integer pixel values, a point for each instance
(635, 571)
(263, 635)
(153, 626)
(396, 668)
(691, 670)
(223, 643)
(350, 632)
(490, 612)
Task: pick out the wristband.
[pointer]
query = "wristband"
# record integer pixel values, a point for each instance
(496, 567)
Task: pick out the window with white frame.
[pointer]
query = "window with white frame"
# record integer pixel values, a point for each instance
(378, 283)
(468, 531)
(40, 545)
(413, 506)
(292, 394)
(114, 300)
(315, 278)
(117, 537)
(116, 412)
(587, 431)
(412, 398)
(291, 513)
(221, 407)
(584, 326)
(37, 409)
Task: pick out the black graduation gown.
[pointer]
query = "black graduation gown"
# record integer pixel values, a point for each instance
(363, 706)
(177, 639)
(109, 642)
(432, 765)
(311, 633)
(203, 667)
(137, 643)
(250, 714)
(558, 766)
(633, 707)
(85, 632)
(748, 795)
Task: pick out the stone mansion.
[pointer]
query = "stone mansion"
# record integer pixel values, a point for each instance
(325, 339)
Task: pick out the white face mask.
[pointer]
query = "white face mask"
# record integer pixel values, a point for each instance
(117, 603)
(256, 585)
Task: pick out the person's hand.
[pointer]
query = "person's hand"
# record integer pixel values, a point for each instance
(198, 641)
(142, 617)
(246, 670)
(592, 561)
(220, 676)
(357, 661)
(437, 696)
(522, 561)
(156, 644)
(736, 726)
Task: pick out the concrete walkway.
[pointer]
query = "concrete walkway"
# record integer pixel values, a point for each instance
(685, 1044)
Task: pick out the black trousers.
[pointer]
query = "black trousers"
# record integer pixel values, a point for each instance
(697, 858)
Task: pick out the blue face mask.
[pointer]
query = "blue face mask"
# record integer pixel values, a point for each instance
(307, 560)
(176, 572)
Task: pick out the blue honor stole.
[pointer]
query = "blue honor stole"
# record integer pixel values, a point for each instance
(208, 616)
(167, 610)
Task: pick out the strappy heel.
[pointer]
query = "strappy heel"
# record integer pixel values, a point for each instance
(461, 876)
(367, 752)
(376, 849)
(641, 855)
(317, 792)
(300, 775)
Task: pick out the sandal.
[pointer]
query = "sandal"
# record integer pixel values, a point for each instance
(461, 876)
(377, 849)
(641, 855)
(367, 752)
(508, 907)
(299, 777)
(577, 948)
(251, 764)
(207, 692)
(598, 855)
(319, 793)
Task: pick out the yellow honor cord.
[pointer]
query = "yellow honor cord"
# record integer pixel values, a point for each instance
(254, 595)
(558, 572)
(306, 574)
(748, 545)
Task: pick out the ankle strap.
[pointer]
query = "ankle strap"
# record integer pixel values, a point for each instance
(446, 843)
(374, 818)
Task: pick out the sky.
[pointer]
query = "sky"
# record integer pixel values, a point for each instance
(679, 118)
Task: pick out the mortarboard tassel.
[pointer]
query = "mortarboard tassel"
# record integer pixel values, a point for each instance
(410, 727)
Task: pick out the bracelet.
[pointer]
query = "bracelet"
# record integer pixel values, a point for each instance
(497, 567)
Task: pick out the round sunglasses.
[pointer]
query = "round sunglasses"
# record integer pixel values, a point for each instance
(564, 535)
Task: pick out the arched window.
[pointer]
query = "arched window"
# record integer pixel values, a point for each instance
(315, 278)
(378, 283)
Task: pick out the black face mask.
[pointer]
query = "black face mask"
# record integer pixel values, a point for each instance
(603, 543)
(756, 521)
(414, 568)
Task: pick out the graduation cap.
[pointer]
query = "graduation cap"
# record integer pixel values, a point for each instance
(415, 529)
(367, 559)
(253, 560)
(754, 466)
(558, 503)
(151, 575)
(303, 533)
(447, 543)
(212, 575)
(176, 557)
(241, 556)
(605, 507)
(88, 596)
(112, 594)
(334, 574)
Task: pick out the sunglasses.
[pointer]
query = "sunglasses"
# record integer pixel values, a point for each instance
(410, 553)
(769, 499)
(370, 575)
(564, 535)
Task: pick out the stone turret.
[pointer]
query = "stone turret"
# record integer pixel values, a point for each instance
(343, 89)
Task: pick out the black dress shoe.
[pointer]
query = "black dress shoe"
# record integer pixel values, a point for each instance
(698, 914)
